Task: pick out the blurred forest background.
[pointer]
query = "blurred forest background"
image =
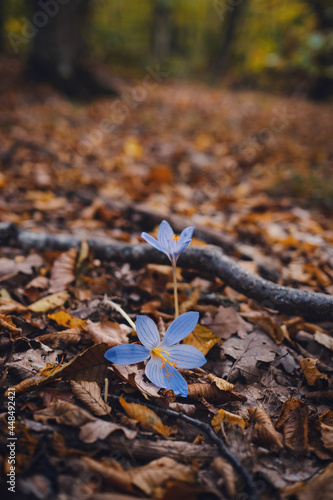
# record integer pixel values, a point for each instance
(283, 45)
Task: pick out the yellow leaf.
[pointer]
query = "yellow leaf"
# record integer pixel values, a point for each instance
(49, 302)
(65, 319)
(202, 338)
(227, 417)
(147, 417)
(222, 384)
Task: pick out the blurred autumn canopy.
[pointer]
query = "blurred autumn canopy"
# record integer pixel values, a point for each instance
(282, 44)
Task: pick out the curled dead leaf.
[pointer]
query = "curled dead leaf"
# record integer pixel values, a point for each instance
(100, 429)
(263, 432)
(65, 319)
(220, 383)
(65, 413)
(320, 488)
(224, 469)
(62, 273)
(311, 373)
(293, 421)
(89, 393)
(267, 324)
(8, 306)
(224, 416)
(109, 332)
(147, 418)
(66, 337)
(213, 394)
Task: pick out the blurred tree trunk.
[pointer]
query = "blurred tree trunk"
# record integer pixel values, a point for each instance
(231, 13)
(323, 86)
(59, 46)
(161, 29)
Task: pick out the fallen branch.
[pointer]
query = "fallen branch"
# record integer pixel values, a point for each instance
(210, 260)
(250, 484)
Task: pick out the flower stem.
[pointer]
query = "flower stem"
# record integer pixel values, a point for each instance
(175, 291)
(120, 310)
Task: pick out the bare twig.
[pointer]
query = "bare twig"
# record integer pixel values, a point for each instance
(250, 485)
(209, 260)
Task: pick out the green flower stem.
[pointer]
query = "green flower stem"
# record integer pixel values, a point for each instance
(175, 291)
(121, 311)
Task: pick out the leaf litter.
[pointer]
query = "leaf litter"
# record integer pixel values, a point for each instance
(268, 380)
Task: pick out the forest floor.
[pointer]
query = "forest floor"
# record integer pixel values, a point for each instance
(251, 170)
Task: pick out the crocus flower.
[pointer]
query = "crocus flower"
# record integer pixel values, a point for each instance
(169, 243)
(164, 357)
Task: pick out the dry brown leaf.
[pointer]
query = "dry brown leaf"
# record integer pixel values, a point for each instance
(65, 319)
(66, 337)
(311, 373)
(101, 429)
(49, 302)
(147, 418)
(227, 322)
(6, 323)
(267, 324)
(202, 338)
(263, 432)
(220, 383)
(8, 306)
(154, 475)
(213, 394)
(293, 420)
(112, 473)
(319, 488)
(324, 339)
(136, 378)
(224, 469)
(65, 413)
(90, 365)
(226, 417)
(109, 332)
(40, 282)
(321, 396)
(89, 393)
(62, 273)
(191, 302)
(327, 436)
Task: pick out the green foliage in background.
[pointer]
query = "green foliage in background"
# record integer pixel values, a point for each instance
(274, 37)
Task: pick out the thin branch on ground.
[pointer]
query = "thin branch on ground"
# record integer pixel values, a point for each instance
(210, 260)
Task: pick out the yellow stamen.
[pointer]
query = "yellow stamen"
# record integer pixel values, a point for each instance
(175, 237)
(158, 353)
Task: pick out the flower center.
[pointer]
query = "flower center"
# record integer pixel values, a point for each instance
(175, 238)
(158, 353)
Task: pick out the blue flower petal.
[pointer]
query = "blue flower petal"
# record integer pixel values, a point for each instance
(185, 356)
(186, 234)
(167, 377)
(164, 236)
(152, 241)
(147, 332)
(181, 327)
(127, 354)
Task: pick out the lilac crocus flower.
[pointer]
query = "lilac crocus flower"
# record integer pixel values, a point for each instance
(169, 243)
(164, 357)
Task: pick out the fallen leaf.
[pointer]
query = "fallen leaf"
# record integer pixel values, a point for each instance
(213, 394)
(147, 417)
(224, 417)
(262, 430)
(6, 323)
(227, 322)
(319, 488)
(90, 365)
(202, 338)
(225, 470)
(65, 413)
(321, 396)
(220, 383)
(89, 393)
(62, 273)
(293, 421)
(136, 378)
(324, 339)
(65, 319)
(66, 337)
(8, 306)
(49, 302)
(311, 373)
(100, 429)
(267, 324)
(109, 332)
